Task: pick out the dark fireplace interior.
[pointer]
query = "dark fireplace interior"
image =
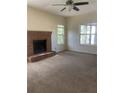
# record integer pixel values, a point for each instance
(39, 46)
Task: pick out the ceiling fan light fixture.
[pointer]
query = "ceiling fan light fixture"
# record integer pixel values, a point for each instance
(71, 5)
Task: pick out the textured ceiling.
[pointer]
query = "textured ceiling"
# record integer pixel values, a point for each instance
(46, 5)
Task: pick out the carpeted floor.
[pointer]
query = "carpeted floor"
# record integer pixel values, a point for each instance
(67, 72)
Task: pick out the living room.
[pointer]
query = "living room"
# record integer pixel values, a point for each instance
(61, 46)
(62, 38)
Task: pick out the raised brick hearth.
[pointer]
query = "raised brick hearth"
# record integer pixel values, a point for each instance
(41, 56)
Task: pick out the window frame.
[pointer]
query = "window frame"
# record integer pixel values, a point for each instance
(90, 34)
(63, 35)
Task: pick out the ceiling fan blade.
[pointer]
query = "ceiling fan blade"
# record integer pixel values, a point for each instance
(76, 8)
(59, 4)
(63, 9)
(81, 3)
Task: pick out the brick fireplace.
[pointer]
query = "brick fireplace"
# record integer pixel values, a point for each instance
(38, 42)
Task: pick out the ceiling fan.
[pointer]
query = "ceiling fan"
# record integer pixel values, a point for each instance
(71, 5)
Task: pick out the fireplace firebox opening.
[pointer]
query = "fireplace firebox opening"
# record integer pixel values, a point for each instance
(39, 46)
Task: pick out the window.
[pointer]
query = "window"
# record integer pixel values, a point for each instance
(60, 34)
(88, 34)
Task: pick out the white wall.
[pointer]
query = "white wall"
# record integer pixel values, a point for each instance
(38, 20)
(73, 35)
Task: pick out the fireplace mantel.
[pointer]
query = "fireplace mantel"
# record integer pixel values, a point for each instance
(38, 35)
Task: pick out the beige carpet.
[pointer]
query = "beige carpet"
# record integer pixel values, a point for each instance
(67, 72)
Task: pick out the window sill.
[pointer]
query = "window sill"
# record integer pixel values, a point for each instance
(87, 45)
